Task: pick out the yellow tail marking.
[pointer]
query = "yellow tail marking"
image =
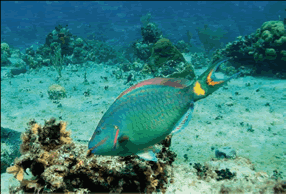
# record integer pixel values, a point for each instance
(198, 89)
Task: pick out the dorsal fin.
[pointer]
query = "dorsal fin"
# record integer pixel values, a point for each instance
(172, 82)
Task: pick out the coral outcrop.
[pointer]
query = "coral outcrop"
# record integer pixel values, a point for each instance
(167, 61)
(5, 54)
(183, 47)
(142, 50)
(161, 57)
(150, 33)
(60, 165)
(262, 52)
(73, 50)
(9, 140)
(56, 92)
(162, 51)
(62, 36)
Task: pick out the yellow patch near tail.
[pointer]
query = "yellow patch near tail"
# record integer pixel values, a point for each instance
(198, 90)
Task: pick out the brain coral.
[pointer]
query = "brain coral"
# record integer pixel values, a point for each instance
(263, 51)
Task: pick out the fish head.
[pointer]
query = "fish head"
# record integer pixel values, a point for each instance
(102, 140)
(207, 83)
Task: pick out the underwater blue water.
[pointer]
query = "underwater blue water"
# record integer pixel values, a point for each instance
(26, 23)
(245, 118)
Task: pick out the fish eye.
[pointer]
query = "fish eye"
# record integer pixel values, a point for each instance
(97, 130)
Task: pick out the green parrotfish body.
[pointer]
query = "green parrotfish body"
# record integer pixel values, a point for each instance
(147, 112)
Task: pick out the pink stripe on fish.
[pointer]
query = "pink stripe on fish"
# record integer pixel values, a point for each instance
(173, 82)
(99, 143)
(116, 135)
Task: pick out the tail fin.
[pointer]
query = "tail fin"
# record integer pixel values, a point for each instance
(207, 83)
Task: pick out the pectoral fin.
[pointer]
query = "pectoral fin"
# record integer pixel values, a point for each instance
(148, 155)
(123, 139)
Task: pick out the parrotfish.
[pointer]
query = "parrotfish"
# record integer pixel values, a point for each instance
(147, 112)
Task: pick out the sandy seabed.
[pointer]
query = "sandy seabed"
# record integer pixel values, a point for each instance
(248, 115)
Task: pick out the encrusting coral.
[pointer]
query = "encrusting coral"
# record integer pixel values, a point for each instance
(167, 61)
(60, 165)
(262, 52)
(17, 171)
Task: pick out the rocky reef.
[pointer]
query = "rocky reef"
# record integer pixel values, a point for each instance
(167, 61)
(8, 151)
(61, 45)
(260, 53)
(160, 57)
(57, 164)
